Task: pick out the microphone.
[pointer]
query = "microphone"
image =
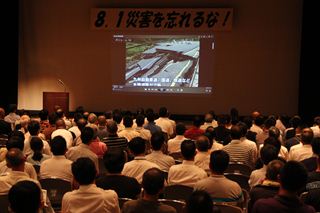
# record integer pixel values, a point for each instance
(62, 83)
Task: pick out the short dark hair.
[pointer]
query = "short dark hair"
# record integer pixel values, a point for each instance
(157, 140)
(25, 196)
(197, 121)
(274, 132)
(140, 120)
(117, 117)
(150, 116)
(271, 121)
(199, 201)
(202, 143)
(163, 112)
(43, 114)
(36, 143)
(293, 176)
(248, 121)
(219, 161)
(153, 181)
(268, 153)
(180, 129)
(274, 142)
(14, 157)
(236, 132)
(127, 121)
(259, 120)
(58, 145)
(273, 169)
(188, 149)
(112, 127)
(114, 160)
(137, 145)
(84, 171)
(87, 134)
(316, 145)
(306, 136)
(243, 128)
(15, 142)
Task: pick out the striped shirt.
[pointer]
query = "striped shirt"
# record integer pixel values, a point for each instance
(114, 142)
(239, 151)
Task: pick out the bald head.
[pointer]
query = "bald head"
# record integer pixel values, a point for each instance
(202, 143)
(255, 114)
(102, 120)
(15, 159)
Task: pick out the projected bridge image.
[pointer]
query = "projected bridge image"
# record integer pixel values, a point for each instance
(168, 62)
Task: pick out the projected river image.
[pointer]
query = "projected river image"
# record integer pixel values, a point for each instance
(169, 62)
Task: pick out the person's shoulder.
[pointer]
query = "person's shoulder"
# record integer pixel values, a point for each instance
(163, 208)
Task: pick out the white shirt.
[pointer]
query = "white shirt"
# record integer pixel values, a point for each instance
(216, 146)
(257, 176)
(185, 174)
(299, 154)
(316, 131)
(137, 167)
(77, 133)
(283, 153)
(202, 159)
(7, 181)
(165, 125)
(65, 134)
(175, 143)
(57, 167)
(90, 198)
(28, 168)
(256, 129)
(83, 150)
(129, 133)
(205, 126)
(162, 160)
(144, 133)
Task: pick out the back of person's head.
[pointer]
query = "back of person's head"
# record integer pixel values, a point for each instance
(188, 149)
(81, 123)
(60, 124)
(180, 129)
(243, 128)
(79, 109)
(127, 121)
(202, 143)
(84, 171)
(295, 121)
(259, 120)
(34, 127)
(58, 145)
(208, 118)
(274, 142)
(293, 176)
(269, 122)
(150, 116)
(219, 161)
(197, 121)
(87, 134)
(102, 120)
(137, 145)
(316, 146)
(60, 113)
(234, 114)
(53, 118)
(163, 112)
(210, 135)
(199, 201)
(15, 142)
(117, 117)
(43, 114)
(153, 181)
(92, 118)
(306, 136)
(15, 158)
(236, 132)
(157, 141)
(25, 196)
(112, 127)
(273, 170)
(140, 120)
(248, 121)
(268, 153)
(94, 127)
(36, 145)
(274, 132)
(114, 160)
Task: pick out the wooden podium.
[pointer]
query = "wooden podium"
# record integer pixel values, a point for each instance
(52, 99)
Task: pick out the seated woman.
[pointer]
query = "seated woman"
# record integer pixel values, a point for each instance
(37, 157)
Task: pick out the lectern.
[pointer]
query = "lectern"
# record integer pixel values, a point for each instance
(52, 99)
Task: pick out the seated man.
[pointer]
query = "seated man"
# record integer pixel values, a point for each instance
(25, 196)
(139, 164)
(162, 160)
(202, 157)
(58, 166)
(293, 178)
(88, 198)
(217, 185)
(186, 173)
(153, 184)
(175, 143)
(269, 187)
(126, 187)
(16, 162)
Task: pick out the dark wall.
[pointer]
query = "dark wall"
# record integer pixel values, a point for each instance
(309, 93)
(9, 56)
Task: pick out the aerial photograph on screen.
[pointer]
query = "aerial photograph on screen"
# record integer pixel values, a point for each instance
(170, 61)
